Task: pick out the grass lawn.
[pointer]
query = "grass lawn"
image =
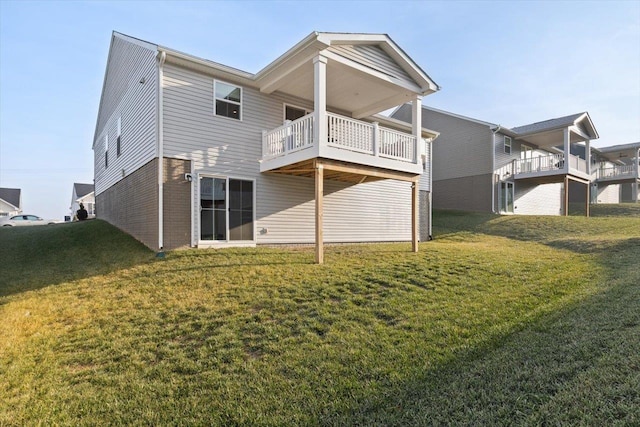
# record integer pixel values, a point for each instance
(500, 320)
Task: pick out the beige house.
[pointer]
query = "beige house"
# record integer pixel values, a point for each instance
(190, 152)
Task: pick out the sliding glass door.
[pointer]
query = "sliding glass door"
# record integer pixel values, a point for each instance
(226, 209)
(506, 197)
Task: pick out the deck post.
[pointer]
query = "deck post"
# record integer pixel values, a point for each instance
(415, 214)
(588, 202)
(567, 149)
(319, 175)
(376, 139)
(566, 195)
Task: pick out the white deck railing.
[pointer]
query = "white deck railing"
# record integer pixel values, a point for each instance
(397, 145)
(290, 137)
(548, 163)
(621, 171)
(343, 133)
(349, 134)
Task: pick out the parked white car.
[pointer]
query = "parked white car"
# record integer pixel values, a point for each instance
(23, 220)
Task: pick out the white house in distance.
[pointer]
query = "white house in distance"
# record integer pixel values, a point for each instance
(10, 201)
(535, 169)
(83, 193)
(189, 152)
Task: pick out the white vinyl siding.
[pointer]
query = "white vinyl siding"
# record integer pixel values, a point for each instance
(538, 199)
(127, 100)
(285, 207)
(608, 193)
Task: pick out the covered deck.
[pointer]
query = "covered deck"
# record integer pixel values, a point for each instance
(568, 142)
(350, 79)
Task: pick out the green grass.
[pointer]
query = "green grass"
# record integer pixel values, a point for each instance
(500, 320)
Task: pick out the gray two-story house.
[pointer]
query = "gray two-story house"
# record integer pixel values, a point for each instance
(193, 153)
(536, 169)
(616, 173)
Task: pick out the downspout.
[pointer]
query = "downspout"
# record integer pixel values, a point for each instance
(493, 168)
(162, 58)
(430, 188)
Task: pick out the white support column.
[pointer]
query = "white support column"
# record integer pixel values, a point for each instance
(567, 149)
(320, 101)
(416, 122)
(587, 156)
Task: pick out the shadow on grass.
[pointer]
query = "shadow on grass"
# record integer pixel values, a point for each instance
(36, 257)
(579, 365)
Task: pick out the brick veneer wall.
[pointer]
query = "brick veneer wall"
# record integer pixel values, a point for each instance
(423, 216)
(132, 204)
(177, 204)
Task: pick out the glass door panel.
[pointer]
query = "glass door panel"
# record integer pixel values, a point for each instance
(213, 209)
(226, 209)
(506, 197)
(240, 210)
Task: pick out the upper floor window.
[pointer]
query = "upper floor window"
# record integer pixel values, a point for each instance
(507, 145)
(228, 100)
(118, 145)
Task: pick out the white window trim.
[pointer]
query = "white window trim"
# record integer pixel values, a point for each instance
(225, 243)
(118, 138)
(106, 150)
(509, 144)
(284, 110)
(240, 104)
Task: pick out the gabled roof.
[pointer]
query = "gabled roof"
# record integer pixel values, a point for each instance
(82, 189)
(546, 125)
(620, 152)
(11, 196)
(620, 147)
(542, 133)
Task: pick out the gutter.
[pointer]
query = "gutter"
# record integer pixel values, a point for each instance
(161, 59)
(493, 167)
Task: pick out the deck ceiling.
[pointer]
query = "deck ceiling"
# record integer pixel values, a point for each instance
(550, 179)
(343, 171)
(550, 139)
(624, 153)
(348, 89)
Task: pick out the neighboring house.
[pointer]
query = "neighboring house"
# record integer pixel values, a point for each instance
(535, 169)
(10, 201)
(83, 193)
(616, 173)
(189, 152)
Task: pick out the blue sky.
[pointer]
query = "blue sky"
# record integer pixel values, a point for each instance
(511, 63)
